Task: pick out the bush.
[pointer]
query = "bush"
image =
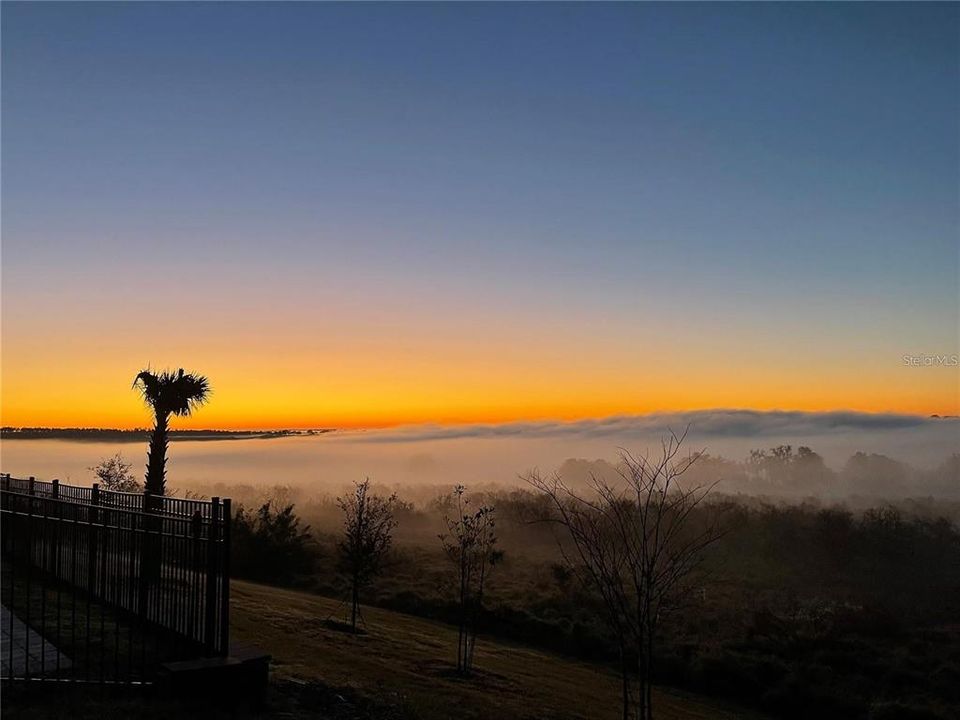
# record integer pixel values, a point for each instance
(269, 545)
(114, 473)
(726, 674)
(904, 711)
(946, 681)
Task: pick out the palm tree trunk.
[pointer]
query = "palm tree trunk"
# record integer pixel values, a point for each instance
(154, 488)
(156, 479)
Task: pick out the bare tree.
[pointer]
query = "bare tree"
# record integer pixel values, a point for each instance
(470, 544)
(636, 541)
(115, 473)
(368, 524)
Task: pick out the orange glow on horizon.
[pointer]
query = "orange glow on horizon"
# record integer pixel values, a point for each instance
(384, 364)
(234, 406)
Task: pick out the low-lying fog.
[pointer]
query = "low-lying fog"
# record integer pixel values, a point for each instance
(485, 454)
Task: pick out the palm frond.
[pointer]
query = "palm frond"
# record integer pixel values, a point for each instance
(172, 393)
(188, 392)
(149, 386)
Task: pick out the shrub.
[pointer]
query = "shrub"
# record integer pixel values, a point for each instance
(269, 544)
(114, 473)
(903, 711)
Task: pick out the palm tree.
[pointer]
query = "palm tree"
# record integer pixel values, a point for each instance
(167, 394)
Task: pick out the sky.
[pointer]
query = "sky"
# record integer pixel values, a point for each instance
(360, 215)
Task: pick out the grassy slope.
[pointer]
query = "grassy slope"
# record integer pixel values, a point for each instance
(409, 659)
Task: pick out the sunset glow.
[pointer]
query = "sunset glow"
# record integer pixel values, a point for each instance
(431, 360)
(338, 239)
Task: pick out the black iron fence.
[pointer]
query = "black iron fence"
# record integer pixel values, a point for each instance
(105, 586)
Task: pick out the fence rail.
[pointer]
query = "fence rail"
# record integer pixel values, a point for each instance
(116, 582)
(160, 504)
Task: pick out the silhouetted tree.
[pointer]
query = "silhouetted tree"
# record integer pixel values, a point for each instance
(874, 474)
(167, 394)
(270, 544)
(368, 524)
(470, 544)
(636, 541)
(780, 470)
(114, 473)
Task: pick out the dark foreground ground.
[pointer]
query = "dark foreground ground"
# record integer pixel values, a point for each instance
(399, 669)
(286, 699)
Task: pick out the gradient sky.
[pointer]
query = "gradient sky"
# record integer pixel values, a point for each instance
(372, 214)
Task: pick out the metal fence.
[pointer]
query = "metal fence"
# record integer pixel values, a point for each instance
(105, 586)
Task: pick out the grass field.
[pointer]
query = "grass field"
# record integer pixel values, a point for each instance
(400, 669)
(406, 663)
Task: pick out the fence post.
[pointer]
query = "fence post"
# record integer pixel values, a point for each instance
(92, 537)
(146, 544)
(30, 546)
(53, 551)
(210, 602)
(29, 572)
(225, 581)
(4, 531)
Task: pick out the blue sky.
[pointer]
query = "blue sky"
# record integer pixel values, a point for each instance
(750, 168)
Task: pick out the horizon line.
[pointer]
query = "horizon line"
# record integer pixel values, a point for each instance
(462, 422)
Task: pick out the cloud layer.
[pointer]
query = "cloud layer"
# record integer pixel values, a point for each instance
(720, 423)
